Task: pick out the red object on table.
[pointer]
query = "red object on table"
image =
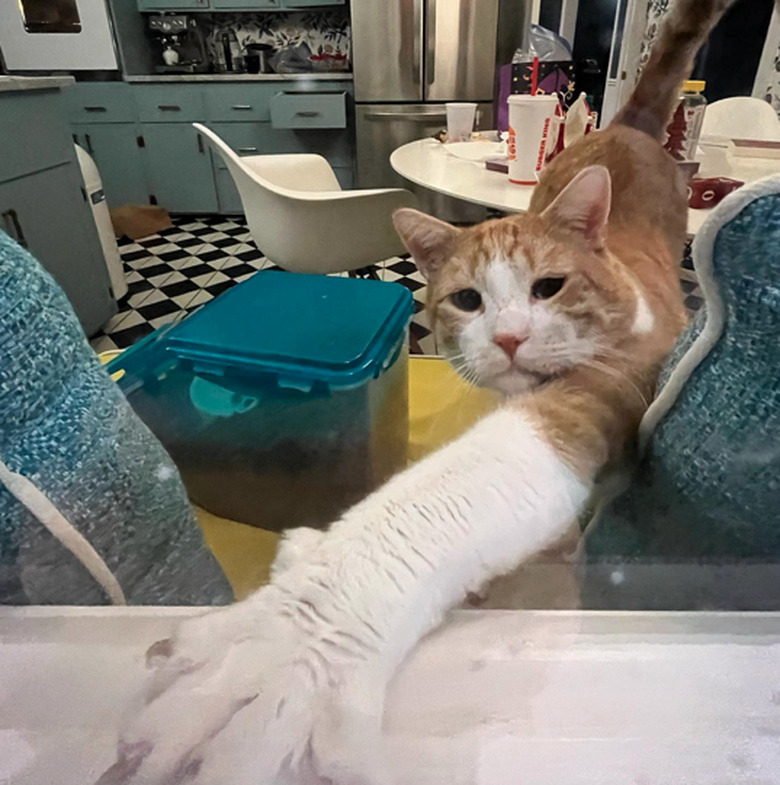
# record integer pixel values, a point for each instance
(704, 192)
(535, 76)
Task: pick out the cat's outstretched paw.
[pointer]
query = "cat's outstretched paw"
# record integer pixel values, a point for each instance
(241, 695)
(202, 682)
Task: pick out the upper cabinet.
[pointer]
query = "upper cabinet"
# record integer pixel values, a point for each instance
(232, 5)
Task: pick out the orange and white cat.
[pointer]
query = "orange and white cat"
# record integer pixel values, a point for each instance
(570, 309)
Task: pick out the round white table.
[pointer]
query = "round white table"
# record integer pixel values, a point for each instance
(427, 163)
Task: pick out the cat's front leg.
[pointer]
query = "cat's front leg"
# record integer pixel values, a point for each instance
(294, 546)
(284, 680)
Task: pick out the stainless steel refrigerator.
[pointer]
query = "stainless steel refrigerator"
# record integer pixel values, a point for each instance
(412, 56)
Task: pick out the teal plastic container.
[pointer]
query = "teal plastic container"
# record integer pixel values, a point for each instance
(284, 401)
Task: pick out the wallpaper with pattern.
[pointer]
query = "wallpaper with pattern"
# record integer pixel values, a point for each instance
(324, 31)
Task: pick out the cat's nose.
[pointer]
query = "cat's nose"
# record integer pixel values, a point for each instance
(509, 342)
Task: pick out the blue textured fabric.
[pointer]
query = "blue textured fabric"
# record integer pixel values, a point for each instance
(67, 427)
(708, 490)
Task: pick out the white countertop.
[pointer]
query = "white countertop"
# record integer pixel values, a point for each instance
(142, 78)
(491, 698)
(18, 83)
(427, 163)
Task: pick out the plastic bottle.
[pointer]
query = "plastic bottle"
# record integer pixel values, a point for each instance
(694, 104)
(236, 53)
(684, 130)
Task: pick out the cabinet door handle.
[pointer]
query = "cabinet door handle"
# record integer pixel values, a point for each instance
(13, 227)
(415, 117)
(89, 144)
(201, 148)
(307, 114)
(169, 108)
(247, 149)
(95, 109)
(242, 107)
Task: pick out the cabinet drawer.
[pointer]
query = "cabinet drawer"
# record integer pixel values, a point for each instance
(35, 134)
(169, 103)
(245, 5)
(309, 110)
(109, 102)
(173, 5)
(226, 103)
(262, 139)
(310, 3)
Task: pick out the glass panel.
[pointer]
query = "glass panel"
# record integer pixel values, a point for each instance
(614, 63)
(50, 16)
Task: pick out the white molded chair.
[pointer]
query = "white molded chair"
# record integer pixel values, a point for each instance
(741, 117)
(302, 220)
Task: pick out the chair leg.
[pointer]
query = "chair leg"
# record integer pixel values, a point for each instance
(369, 272)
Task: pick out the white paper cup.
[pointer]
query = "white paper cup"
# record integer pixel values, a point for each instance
(460, 121)
(530, 126)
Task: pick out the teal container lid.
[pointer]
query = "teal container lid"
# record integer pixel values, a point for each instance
(303, 329)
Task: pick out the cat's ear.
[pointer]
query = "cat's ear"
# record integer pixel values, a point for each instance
(583, 206)
(427, 239)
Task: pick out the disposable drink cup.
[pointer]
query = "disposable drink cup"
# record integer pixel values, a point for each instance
(530, 133)
(460, 121)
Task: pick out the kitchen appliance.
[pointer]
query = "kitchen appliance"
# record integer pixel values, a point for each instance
(181, 44)
(258, 58)
(56, 35)
(429, 52)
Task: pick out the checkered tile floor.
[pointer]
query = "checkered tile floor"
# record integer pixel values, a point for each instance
(173, 273)
(694, 298)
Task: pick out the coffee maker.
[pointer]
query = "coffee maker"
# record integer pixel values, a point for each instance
(181, 44)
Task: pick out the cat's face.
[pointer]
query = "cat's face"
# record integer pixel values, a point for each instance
(518, 301)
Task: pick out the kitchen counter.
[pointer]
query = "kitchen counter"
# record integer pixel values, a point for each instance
(18, 83)
(319, 76)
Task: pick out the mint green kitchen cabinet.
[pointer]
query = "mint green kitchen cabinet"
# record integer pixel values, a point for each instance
(43, 203)
(103, 122)
(116, 150)
(178, 168)
(232, 5)
(47, 213)
(173, 5)
(311, 3)
(143, 143)
(99, 102)
(245, 5)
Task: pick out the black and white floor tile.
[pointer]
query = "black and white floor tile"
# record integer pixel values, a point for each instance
(173, 273)
(694, 297)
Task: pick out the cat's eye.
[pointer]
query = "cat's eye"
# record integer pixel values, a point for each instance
(545, 288)
(467, 299)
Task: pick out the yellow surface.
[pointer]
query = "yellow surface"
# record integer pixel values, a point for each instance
(244, 552)
(441, 407)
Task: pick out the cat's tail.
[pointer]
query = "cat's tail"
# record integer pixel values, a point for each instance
(656, 94)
